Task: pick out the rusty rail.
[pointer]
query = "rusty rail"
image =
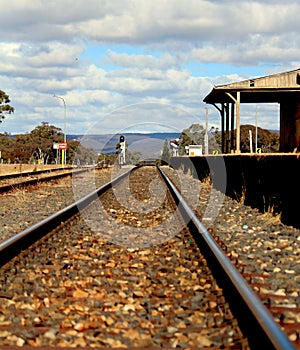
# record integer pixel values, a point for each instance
(12, 246)
(255, 320)
(9, 187)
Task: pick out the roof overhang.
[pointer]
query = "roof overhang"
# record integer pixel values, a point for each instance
(221, 94)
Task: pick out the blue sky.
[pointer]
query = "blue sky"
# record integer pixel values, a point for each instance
(138, 65)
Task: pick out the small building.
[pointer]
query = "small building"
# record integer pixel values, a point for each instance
(194, 150)
(283, 88)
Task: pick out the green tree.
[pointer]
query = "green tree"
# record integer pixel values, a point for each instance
(166, 154)
(38, 144)
(4, 105)
(80, 155)
(42, 138)
(22, 149)
(193, 135)
(6, 146)
(267, 141)
(107, 158)
(133, 157)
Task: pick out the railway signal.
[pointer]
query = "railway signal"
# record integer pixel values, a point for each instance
(122, 150)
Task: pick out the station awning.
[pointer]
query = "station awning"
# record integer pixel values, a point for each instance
(219, 94)
(282, 88)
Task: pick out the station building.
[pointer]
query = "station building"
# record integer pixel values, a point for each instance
(282, 88)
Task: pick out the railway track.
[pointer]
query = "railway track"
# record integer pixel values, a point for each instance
(126, 271)
(264, 251)
(12, 181)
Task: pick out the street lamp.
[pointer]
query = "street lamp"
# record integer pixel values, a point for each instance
(64, 151)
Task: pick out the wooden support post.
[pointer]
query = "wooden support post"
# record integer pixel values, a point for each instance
(227, 129)
(237, 101)
(232, 138)
(250, 141)
(222, 112)
(238, 122)
(223, 127)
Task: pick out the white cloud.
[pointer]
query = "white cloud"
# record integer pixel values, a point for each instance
(148, 49)
(145, 22)
(137, 60)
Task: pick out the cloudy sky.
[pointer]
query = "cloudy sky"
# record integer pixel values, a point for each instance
(138, 65)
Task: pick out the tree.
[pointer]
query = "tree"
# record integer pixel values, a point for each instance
(38, 145)
(166, 155)
(193, 135)
(22, 149)
(79, 155)
(4, 105)
(42, 138)
(267, 141)
(107, 158)
(6, 146)
(133, 157)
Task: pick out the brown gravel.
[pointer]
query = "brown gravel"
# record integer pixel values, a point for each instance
(21, 208)
(258, 243)
(266, 251)
(80, 289)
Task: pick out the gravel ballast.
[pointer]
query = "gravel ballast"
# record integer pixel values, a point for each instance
(259, 244)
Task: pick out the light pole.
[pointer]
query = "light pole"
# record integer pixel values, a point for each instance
(206, 133)
(64, 151)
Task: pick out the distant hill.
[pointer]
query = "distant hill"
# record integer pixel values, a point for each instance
(149, 145)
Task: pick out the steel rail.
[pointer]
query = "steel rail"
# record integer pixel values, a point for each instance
(22, 240)
(9, 187)
(29, 173)
(255, 320)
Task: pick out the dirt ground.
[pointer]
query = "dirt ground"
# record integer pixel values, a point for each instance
(21, 168)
